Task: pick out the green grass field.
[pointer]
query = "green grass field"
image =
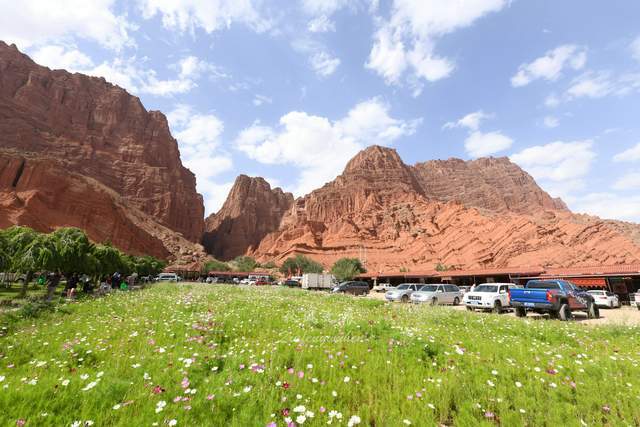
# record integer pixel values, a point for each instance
(200, 355)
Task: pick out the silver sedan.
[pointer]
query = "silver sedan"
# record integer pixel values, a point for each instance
(401, 293)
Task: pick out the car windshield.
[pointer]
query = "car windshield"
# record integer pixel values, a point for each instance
(403, 287)
(486, 288)
(428, 288)
(597, 292)
(543, 285)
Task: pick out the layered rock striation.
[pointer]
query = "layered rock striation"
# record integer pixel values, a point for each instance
(78, 151)
(476, 214)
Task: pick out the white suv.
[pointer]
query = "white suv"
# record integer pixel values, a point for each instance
(489, 296)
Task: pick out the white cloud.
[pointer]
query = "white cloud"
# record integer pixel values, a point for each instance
(258, 100)
(479, 144)
(128, 73)
(192, 67)
(552, 100)
(318, 147)
(208, 15)
(34, 22)
(321, 24)
(591, 85)
(198, 137)
(557, 161)
(609, 205)
(595, 85)
(471, 121)
(630, 155)
(629, 181)
(406, 41)
(551, 122)
(635, 49)
(324, 64)
(551, 65)
(324, 7)
(61, 58)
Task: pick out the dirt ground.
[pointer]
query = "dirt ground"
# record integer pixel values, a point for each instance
(625, 316)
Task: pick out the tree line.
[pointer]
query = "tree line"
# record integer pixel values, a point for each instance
(342, 269)
(66, 250)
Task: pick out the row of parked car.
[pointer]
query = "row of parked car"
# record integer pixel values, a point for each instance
(559, 298)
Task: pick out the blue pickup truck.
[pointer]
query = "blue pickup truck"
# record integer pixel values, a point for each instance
(558, 298)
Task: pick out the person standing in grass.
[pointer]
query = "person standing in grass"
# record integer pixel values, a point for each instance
(72, 284)
(52, 284)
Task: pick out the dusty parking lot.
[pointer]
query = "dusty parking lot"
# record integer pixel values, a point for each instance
(625, 316)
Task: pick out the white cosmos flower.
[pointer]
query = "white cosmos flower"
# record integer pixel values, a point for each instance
(354, 420)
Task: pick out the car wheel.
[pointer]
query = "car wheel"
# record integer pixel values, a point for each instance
(520, 312)
(456, 301)
(469, 308)
(593, 312)
(497, 307)
(405, 298)
(565, 313)
(434, 301)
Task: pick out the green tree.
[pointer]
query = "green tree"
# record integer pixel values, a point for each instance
(441, 267)
(270, 265)
(147, 265)
(245, 263)
(302, 264)
(109, 259)
(4, 253)
(33, 252)
(347, 268)
(215, 265)
(74, 249)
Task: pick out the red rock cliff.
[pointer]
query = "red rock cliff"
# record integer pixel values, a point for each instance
(71, 130)
(251, 211)
(483, 213)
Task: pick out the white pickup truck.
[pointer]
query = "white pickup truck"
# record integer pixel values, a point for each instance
(489, 296)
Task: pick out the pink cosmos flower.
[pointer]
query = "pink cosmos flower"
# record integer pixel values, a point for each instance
(185, 382)
(21, 422)
(271, 424)
(290, 370)
(210, 397)
(157, 390)
(606, 409)
(285, 412)
(322, 409)
(300, 374)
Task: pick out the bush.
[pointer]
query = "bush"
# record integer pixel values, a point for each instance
(245, 263)
(215, 265)
(301, 264)
(347, 268)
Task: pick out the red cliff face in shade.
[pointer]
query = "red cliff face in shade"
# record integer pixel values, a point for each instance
(482, 213)
(252, 210)
(78, 151)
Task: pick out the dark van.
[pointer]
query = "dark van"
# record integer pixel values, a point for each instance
(353, 288)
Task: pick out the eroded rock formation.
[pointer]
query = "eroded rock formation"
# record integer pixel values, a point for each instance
(482, 213)
(78, 151)
(252, 210)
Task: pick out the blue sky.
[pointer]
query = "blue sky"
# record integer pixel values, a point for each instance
(292, 90)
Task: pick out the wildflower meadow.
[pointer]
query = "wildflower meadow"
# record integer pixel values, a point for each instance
(200, 355)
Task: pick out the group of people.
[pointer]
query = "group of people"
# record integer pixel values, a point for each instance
(107, 283)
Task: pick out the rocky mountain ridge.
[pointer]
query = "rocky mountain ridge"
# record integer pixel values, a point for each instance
(475, 214)
(78, 151)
